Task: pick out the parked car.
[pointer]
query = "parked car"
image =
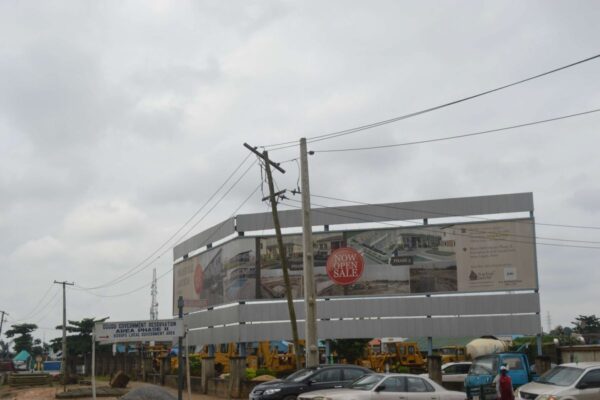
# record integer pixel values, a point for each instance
(387, 386)
(309, 379)
(454, 374)
(575, 381)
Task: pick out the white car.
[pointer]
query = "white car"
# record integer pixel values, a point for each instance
(454, 372)
(574, 381)
(387, 386)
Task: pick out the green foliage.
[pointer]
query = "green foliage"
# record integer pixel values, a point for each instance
(586, 324)
(349, 349)
(24, 341)
(250, 373)
(401, 369)
(265, 371)
(81, 341)
(195, 365)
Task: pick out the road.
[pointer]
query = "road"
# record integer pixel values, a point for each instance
(48, 393)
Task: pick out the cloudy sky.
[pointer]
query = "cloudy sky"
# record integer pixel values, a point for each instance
(119, 119)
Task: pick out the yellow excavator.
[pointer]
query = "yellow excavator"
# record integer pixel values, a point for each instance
(383, 354)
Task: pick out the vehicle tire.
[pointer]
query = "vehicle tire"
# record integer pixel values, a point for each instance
(290, 397)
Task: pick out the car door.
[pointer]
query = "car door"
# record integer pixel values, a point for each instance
(516, 369)
(419, 389)
(392, 388)
(588, 387)
(327, 378)
(351, 374)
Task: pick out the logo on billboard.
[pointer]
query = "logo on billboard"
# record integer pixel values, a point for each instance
(401, 260)
(345, 266)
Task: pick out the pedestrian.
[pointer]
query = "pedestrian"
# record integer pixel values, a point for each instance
(504, 385)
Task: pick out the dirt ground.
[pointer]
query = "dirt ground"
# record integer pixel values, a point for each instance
(48, 393)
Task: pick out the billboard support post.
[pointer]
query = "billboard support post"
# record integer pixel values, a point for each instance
(93, 366)
(180, 304)
(310, 303)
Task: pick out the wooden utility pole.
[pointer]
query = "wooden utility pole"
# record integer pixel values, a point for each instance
(64, 333)
(282, 256)
(310, 294)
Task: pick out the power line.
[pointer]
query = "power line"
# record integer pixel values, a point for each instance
(140, 266)
(349, 131)
(27, 315)
(46, 305)
(446, 214)
(460, 136)
(170, 269)
(425, 228)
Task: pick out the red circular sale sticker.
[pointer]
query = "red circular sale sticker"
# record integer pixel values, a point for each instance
(345, 266)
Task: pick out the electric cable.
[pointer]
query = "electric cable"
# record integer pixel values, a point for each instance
(27, 315)
(171, 269)
(129, 273)
(425, 228)
(446, 214)
(349, 131)
(460, 136)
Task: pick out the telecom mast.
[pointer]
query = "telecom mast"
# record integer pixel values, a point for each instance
(154, 292)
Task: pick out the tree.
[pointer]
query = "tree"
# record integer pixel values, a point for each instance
(81, 341)
(588, 326)
(39, 348)
(25, 340)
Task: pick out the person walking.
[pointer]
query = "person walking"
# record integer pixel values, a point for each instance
(504, 385)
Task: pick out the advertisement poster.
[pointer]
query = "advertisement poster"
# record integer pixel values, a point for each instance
(219, 275)
(467, 257)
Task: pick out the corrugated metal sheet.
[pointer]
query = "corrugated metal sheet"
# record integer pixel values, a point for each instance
(441, 316)
(461, 206)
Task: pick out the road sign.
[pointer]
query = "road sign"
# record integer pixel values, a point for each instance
(138, 331)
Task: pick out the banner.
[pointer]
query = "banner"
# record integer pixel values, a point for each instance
(425, 259)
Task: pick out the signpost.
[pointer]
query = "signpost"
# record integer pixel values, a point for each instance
(162, 330)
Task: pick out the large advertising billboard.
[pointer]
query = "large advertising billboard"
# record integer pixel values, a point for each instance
(455, 258)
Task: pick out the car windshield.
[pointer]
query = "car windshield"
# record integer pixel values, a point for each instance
(300, 375)
(483, 366)
(561, 376)
(367, 382)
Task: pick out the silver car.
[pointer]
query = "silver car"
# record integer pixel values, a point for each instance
(575, 381)
(387, 386)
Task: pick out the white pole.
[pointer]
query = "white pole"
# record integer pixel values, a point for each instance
(187, 367)
(93, 366)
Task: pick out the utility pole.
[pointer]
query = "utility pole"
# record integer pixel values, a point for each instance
(64, 333)
(2, 320)
(310, 294)
(180, 304)
(282, 256)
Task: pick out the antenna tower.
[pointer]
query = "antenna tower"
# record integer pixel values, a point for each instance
(154, 292)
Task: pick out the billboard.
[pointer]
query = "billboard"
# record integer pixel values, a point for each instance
(455, 258)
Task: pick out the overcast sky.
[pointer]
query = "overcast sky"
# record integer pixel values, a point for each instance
(118, 120)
